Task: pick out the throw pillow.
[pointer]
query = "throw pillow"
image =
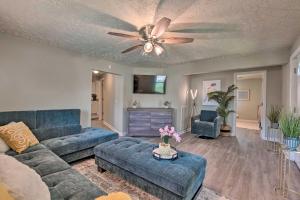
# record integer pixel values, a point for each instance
(32, 139)
(115, 196)
(3, 146)
(22, 183)
(17, 136)
(14, 137)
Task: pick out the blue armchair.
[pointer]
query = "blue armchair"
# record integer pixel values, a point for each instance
(207, 124)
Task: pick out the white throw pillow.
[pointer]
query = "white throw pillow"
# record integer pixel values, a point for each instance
(22, 182)
(3, 146)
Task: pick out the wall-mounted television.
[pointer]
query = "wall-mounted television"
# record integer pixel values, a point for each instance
(149, 84)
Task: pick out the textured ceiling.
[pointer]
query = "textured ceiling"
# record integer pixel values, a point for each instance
(220, 27)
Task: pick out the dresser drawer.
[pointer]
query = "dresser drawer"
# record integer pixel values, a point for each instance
(157, 126)
(139, 115)
(161, 120)
(161, 115)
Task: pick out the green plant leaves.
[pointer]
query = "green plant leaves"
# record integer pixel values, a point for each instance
(290, 125)
(223, 98)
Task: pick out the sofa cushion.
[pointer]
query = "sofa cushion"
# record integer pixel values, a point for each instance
(71, 185)
(72, 143)
(181, 176)
(48, 133)
(57, 118)
(28, 117)
(43, 161)
(208, 115)
(30, 149)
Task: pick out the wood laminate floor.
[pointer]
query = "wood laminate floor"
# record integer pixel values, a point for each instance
(240, 168)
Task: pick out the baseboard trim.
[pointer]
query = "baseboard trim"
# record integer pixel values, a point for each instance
(247, 120)
(112, 128)
(184, 131)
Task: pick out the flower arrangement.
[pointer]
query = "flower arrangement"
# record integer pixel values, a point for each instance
(166, 133)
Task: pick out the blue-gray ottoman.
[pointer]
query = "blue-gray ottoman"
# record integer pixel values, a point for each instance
(131, 158)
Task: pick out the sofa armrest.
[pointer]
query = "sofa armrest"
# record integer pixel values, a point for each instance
(217, 125)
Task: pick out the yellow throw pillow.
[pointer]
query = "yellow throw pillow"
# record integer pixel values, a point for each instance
(27, 131)
(115, 196)
(4, 194)
(17, 136)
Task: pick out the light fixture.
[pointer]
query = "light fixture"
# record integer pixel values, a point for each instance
(194, 93)
(95, 71)
(148, 47)
(158, 49)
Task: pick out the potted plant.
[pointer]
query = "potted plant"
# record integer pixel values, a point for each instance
(223, 98)
(167, 104)
(166, 133)
(290, 127)
(274, 115)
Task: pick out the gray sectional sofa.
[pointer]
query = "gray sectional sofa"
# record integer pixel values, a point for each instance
(62, 140)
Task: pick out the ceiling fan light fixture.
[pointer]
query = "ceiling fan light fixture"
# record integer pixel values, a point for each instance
(158, 50)
(148, 47)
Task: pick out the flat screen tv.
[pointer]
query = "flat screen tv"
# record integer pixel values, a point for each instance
(149, 84)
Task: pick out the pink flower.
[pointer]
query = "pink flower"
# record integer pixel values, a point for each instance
(177, 137)
(166, 128)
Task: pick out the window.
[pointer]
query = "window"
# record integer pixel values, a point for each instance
(160, 84)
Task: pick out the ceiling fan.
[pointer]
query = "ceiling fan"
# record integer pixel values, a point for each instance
(151, 37)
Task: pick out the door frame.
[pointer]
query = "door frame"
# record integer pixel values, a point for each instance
(263, 73)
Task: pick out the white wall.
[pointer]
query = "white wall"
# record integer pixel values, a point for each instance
(248, 109)
(36, 76)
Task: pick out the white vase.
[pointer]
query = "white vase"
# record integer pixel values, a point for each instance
(164, 149)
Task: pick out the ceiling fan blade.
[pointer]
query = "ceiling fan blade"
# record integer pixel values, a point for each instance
(124, 35)
(176, 40)
(132, 48)
(203, 27)
(160, 27)
(171, 8)
(87, 14)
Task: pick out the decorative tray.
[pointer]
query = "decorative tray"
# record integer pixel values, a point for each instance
(156, 154)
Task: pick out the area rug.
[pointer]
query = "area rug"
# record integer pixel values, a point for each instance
(109, 182)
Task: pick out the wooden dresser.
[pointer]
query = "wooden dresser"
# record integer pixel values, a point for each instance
(147, 121)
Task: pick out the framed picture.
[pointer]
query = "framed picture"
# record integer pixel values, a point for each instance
(210, 86)
(243, 95)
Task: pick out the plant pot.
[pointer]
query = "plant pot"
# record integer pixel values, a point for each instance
(291, 143)
(226, 128)
(133, 106)
(275, 125)
(166, 106)
(164, 149)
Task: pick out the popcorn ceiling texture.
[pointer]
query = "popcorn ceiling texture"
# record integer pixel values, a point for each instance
(220, 27)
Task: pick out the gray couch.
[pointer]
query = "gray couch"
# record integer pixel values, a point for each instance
(207, 124)
(60, 135)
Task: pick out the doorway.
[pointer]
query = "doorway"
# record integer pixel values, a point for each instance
(250, 102)
(107, 101)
